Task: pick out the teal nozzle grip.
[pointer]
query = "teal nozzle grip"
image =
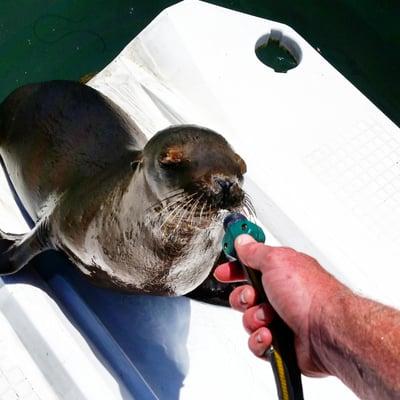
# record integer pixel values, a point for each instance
(236, 224)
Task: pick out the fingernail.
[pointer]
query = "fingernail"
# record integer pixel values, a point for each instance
(244, 295)
(259, 338)
(244, 239)
(260, 314)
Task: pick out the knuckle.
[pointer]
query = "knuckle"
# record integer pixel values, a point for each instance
(282, 254)
(234, 299)
(253, 250)
(250, 322)
(241, 297)
(309, 258)
(256, 254)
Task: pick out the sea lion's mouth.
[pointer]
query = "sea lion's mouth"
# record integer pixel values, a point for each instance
(220, 192)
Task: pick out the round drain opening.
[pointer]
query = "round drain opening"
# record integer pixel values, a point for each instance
(278, 51)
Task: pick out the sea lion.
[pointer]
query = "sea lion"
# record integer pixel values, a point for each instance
(136, 215)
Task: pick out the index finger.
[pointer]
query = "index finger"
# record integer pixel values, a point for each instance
(229, 272)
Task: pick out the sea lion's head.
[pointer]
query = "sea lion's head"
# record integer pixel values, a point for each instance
(196, 170)
(191, 178)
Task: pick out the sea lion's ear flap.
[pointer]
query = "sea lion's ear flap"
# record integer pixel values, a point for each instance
(137, 159)
(241, 163)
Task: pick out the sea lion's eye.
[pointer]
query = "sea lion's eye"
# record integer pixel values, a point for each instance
(173, 157)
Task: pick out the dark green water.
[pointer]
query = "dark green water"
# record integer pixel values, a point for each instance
(276, 56)
(66, 39)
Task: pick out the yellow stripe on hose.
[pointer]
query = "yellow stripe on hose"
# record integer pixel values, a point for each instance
(281, 375)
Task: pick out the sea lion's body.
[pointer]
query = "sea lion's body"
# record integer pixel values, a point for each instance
(135, 215)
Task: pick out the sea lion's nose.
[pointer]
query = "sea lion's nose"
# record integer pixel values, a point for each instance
(225, 184)
(226, 192)
(229, 194)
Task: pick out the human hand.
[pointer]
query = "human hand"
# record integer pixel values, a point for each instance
(297, 288)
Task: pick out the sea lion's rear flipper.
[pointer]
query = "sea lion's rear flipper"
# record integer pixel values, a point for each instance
(16, 250)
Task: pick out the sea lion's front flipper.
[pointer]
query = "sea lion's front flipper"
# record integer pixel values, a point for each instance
(211, 291)
(16, 250)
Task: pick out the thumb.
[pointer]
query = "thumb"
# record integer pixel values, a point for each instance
(244, 239)
(249, 251)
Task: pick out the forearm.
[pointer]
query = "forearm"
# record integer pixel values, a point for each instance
(358, 340)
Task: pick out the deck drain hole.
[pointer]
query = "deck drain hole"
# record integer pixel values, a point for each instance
(278, 51)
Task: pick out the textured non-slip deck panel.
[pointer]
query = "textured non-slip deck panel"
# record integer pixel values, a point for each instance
(362, 169)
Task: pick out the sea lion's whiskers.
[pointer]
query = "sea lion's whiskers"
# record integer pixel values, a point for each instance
(149, 216)
(249, 205)
(179, 204)
(170, 212)
(247, 213)
(196, 210)
(246, 206)
(186, 202)
(182, 212)
(209, 209)
(193, 209)
(186, 211)
(180, 190)
(167, 206)
(201, 212)
(251, 208)
(183, 204)
(180, 200)
(170, 195)
(250, 202)
(190, 217)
